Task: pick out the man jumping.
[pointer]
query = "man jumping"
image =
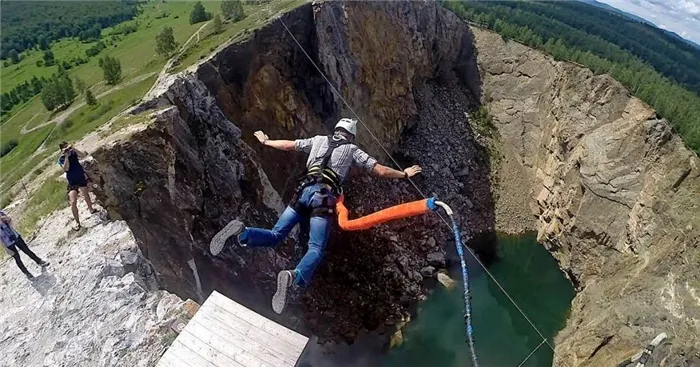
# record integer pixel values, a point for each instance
(328, 165)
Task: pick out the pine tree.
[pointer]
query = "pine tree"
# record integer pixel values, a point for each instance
(44, 43)
(48, 58)
(50, 94)
(67, 93)
(36, 85)
(216, 24)
(13, 55)
(165, 42)
(232, 9)
(90, 98)
(198, 13)
(79, 84)
(112, 69)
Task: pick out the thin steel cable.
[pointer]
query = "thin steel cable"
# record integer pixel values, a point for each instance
(414, 184)
(531, 353)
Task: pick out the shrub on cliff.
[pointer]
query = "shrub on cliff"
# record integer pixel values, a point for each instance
(232, 9)
(165, 42)
(198, 14)
(7, 147)
(112, 69)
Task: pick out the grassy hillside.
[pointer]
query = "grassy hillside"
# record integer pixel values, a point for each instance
(34, 127)
(656, 67)
(138, 59)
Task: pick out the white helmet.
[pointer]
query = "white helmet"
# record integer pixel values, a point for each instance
(348, 124)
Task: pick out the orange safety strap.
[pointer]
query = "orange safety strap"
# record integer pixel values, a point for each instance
(406, 210)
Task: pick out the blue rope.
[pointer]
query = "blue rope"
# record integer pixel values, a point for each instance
(432, 204)
(467, 298)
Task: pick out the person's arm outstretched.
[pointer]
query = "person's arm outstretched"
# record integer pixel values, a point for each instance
(364, 160)
(388, 172)
(286, 145)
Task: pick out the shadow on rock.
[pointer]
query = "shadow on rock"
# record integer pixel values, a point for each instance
(44, 282)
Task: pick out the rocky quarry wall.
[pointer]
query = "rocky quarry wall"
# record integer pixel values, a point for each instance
(197, 166)
(611, 190)
(98, 304)
(615, 196)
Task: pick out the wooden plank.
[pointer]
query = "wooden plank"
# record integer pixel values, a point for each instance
(206, 353)
(225, 333)
(266, 350)
(214, 355)
(271, 327)
(236, 349)
(188, 353)
(166, 360)
(282, 342)
(260, 340)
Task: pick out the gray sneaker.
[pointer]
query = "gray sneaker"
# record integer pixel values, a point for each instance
(233, 228)
(285, 279)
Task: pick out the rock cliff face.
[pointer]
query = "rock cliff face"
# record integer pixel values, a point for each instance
(98, 304)
(611, 190)
(615, 197)
(197, 166)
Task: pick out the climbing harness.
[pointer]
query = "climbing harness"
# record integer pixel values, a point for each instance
(413, 209)
(323, 176)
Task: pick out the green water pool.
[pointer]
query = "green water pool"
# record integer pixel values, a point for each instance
(503, 336)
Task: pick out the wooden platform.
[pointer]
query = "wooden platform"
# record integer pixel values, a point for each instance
(224, 333)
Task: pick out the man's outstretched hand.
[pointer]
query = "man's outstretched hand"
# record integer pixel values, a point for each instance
(413, 170)
(262, 137)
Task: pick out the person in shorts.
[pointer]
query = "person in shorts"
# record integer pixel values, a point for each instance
(69, 160)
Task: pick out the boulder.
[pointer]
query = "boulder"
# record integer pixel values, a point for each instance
(445, 280)
(436, 259)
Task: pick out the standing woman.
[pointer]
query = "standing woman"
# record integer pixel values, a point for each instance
(13, 242)
(77, 181)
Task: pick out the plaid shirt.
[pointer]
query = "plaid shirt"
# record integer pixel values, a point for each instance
(342, 159)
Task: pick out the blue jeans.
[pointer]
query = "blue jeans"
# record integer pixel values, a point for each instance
(319, 229)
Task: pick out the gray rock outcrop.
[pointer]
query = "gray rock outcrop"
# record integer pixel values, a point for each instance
(197, 166)
(612, 192)
(90, 307)
(614, 195)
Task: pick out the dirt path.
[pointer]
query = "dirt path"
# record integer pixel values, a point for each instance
(64, 114)
(155, 90)
(163, 73)
(24, 127)
(20, 195)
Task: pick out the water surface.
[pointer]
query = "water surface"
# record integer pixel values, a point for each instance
(435, 338)
(503, 336)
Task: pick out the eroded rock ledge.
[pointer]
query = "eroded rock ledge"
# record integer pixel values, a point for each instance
(612, 191)
(197, 165)
(615, 196)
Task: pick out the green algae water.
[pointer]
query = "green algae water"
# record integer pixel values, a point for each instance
(502, 335)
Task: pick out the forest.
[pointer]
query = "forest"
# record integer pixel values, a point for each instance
(27, 24)
(656, 67)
